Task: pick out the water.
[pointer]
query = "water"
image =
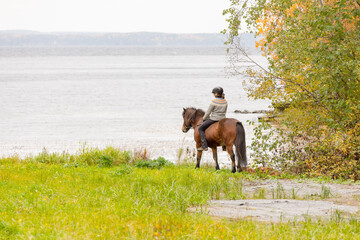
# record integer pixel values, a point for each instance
(132, 98)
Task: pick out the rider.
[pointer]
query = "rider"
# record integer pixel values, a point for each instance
(215, 112)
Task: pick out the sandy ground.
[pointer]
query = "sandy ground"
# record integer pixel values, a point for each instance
(284, 200)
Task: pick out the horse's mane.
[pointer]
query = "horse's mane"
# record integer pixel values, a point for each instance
(197, 112)
(200, 112)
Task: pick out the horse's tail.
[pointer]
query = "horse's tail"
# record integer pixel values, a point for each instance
(240, 145)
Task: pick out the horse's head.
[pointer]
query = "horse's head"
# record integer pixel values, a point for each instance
(189, 118)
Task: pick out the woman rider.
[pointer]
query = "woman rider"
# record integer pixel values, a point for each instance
(215, 112)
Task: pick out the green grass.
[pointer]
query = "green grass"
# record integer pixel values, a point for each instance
(106, 194)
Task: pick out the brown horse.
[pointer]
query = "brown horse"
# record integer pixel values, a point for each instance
(226, 132)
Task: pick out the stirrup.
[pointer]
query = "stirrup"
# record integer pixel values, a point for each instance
(202, 149)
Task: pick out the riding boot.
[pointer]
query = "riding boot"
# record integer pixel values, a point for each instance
(204, 146)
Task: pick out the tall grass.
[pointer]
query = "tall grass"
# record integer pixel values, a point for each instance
(85, 156)
(50, 197)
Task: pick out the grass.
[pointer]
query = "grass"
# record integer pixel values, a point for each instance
(279, 192)
(294, 194)
(109, 194)
(260, 194)
(325, 192)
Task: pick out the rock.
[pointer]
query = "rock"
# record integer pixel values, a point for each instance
(252, 112)
(276, 210)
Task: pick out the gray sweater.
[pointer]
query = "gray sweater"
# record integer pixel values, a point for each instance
(217, 109)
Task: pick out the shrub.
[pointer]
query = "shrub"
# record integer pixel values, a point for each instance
(86, 156)
(153, 164)
(52, 158)
(105, 161)
(93, 156)
(331, 154)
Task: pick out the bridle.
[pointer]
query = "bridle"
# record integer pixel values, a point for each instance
(187, 128)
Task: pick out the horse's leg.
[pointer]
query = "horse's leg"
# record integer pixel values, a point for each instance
(198, 158)
(215, 156)
(239, 163)
(229, 149)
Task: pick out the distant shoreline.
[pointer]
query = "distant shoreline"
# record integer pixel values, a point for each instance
(135, 39)
(31, 51)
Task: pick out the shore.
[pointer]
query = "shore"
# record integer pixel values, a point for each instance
(88, 196)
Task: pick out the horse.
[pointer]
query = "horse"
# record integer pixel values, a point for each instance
(226, 132)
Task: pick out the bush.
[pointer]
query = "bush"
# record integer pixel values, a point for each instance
(107, 157)
(93, 156)
(153, 164)
(331, 154)
(105, 161)
(86, 156)
(52, 158)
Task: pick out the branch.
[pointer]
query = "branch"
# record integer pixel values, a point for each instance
(236, 15)
(280, 78)
(294, 83)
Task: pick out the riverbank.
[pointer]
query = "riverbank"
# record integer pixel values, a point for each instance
(111, 194)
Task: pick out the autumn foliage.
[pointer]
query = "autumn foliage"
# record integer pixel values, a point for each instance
(313, 49)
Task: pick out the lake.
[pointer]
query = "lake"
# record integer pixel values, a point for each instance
(61, 98)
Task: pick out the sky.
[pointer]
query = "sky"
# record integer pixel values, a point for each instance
(168, 16)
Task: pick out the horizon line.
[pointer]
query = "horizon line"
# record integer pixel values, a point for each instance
(99, 32)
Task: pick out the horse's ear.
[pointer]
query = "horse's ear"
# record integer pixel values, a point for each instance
(183, 113)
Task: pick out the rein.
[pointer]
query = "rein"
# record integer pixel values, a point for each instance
(187, 128)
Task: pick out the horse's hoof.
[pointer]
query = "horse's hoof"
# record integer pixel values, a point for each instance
(233, 170)
(217, 168)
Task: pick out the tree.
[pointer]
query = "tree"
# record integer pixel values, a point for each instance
(313, 49)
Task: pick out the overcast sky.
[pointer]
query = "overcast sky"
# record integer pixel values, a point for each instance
(170, 16)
